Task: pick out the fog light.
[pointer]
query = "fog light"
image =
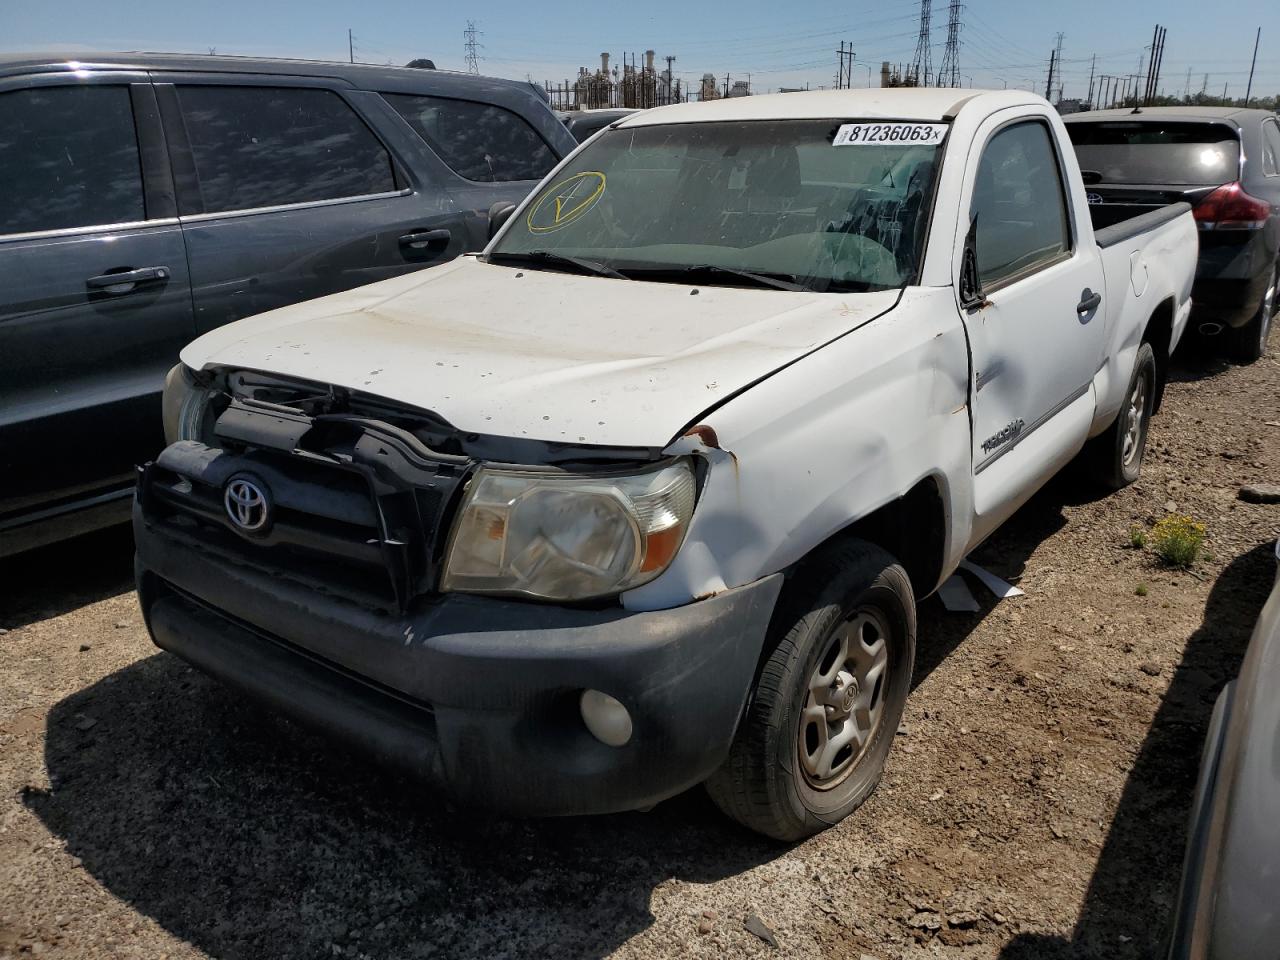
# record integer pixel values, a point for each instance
(605, 717)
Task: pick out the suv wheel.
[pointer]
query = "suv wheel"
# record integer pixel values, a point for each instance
(1251, 339)
(828, 699)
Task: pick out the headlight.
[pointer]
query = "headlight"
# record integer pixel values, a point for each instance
(185, 407)
(564, 537)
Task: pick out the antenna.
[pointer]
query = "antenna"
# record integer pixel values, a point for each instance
(469, 35)
(921, 66)
(949, 72)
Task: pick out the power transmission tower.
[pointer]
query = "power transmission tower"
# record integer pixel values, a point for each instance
(1092, 67)
(1056, 68)
(469, 35)
(921, 66)
(949, 72)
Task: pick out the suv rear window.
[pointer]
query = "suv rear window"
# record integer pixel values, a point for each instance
(269, 146)
(68, 158)
(479, 141)
(1157, 152)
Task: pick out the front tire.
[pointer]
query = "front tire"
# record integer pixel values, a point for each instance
(1251, 339)
(1117, 453)
(829, 697)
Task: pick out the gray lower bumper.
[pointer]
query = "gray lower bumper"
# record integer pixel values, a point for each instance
(478, 694)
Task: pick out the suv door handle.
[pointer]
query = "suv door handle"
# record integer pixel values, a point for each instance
(1089, 302)
(421, 240)
(127, 278)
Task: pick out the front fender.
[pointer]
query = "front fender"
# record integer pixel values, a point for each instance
(824, 442)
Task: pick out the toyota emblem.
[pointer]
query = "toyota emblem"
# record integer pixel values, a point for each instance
(247, 505)
(1093, 198)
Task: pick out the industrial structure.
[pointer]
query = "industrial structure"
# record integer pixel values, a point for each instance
(638, 85)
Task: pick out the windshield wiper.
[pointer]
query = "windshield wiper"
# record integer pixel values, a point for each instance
(775, 281)
(549, 258)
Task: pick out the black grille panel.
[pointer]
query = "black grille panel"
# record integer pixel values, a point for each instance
(364, 520)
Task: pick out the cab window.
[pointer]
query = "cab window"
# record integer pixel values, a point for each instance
(1020, 205)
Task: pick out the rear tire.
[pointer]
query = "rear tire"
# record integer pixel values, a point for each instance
(1250, 341)
(829, 697)
(1116, 455)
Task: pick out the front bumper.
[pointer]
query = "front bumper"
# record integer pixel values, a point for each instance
(478, 695)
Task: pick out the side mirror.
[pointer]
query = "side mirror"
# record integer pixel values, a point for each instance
(971, 295)
(499, 214)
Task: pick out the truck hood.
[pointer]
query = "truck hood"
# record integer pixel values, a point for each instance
(550, 356)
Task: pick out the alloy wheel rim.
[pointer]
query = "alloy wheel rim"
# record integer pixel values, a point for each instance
(1134, 417)
(844, 703)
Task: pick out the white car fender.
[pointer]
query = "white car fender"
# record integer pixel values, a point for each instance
(823, 442)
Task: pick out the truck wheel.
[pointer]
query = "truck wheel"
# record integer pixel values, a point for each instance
(829, 697)
(1117, 454)
(1251, 339)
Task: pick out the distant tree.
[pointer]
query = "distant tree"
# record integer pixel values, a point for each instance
(422, 64)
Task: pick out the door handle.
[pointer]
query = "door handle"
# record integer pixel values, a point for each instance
(1089, 302)
(421, 240)
(127, 279)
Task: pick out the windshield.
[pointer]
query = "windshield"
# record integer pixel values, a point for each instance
(760, 203)
(1169, 153)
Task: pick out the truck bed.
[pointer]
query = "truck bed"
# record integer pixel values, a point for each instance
(1109, 231)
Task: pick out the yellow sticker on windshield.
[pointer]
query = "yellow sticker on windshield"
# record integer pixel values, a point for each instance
(565, 202)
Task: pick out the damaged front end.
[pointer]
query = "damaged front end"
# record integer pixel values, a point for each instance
(383, 504)
(305, 549)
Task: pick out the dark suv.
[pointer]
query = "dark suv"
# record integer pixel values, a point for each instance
(145, 199)
(1226, 163)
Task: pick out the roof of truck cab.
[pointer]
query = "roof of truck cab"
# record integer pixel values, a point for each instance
(919, 104)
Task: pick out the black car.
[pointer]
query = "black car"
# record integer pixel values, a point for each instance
(1226, 163)
(145, 199)
(584, 124)
(1229, 899)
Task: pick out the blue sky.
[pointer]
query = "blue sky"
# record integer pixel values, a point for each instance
(776, 43)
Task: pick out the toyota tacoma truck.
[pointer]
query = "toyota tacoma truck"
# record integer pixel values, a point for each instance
(645, 494)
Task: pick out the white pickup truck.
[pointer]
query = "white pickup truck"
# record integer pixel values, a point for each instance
(645, 494)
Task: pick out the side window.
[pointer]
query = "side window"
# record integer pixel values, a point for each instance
(265, 146)
(1271, 148)
(477, 140)
(1020, 204)
(68, 158)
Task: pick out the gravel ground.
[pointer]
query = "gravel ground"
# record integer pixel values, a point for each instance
(1034, 805)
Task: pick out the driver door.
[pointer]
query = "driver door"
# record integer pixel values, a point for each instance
(1037, 337)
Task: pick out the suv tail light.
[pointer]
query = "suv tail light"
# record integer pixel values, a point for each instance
(1230, 208)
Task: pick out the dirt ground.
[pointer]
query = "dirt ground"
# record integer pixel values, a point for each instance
(1034, 805)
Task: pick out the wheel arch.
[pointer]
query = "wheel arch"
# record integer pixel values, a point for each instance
(913, 528)
(1159, 333)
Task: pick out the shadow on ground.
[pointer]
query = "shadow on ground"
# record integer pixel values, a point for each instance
(52, 580)
(249, 837)
(1131, 894)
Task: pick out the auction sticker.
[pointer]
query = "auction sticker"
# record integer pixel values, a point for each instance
(889, 134)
